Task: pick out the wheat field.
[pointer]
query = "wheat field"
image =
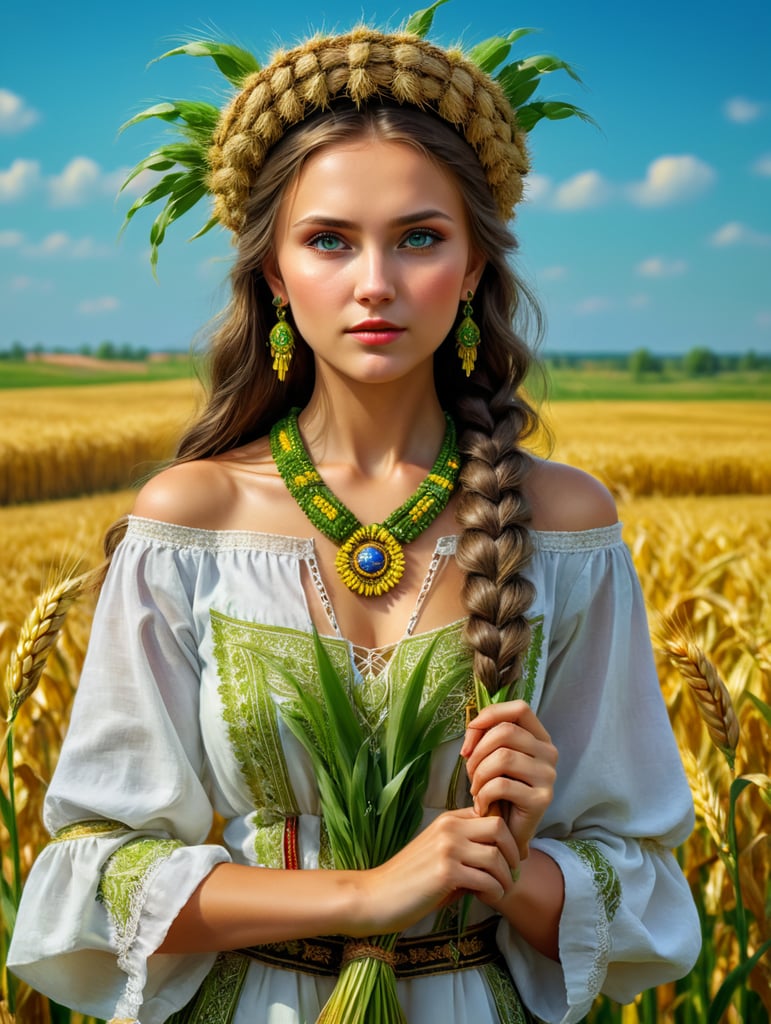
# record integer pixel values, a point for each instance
(704, 559)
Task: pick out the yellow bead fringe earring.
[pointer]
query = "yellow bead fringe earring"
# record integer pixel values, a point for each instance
(467, 336)
(281, 340)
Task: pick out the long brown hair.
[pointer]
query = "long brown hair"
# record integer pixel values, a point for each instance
(244, 397)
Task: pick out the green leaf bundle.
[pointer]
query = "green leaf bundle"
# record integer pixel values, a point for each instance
(371, 785)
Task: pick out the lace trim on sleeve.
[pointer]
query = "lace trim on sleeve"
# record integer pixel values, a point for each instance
(123, 889)
(607, 892)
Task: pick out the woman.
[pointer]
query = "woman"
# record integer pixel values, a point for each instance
(370, 215)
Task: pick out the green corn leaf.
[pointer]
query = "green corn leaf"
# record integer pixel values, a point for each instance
(212, 222)
(732, 983)
(167, 185)
(761, 705)
(550, 110)
(311, 708)
(8, 905)
(6, 812)
(399, 735)
(419, 23)
(347, 729)
(185, 153)
(196, 115)
(156, 161)
(165, 111)
(174, 208)
(488, 54)
(165, 158)
(518, 86)
(309, 715)
(546, 63)
(234, 63)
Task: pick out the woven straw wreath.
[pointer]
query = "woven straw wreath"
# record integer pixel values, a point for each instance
(360, 66)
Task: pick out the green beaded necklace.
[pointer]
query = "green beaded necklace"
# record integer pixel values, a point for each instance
(370, 560)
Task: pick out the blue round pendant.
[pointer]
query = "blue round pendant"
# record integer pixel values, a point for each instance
(370, 560)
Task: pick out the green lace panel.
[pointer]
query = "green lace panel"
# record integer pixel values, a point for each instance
(525, 687)
(248, 681)
(505, 996)
(326, 860)
(125, 881)
(606, 881)
(215, 1001)
(269, 838)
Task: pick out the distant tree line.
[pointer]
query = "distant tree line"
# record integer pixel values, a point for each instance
(642, 362)
(104, 350)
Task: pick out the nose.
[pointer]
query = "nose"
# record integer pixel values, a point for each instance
(375, 279)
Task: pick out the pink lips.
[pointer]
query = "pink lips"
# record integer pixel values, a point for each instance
(375, 332)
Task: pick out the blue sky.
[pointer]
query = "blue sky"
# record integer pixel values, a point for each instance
(654, 231)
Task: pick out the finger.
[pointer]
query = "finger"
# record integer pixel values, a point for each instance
(510, 711)
(528, 802)
(533, 766)
(509, 736)
(515, 711)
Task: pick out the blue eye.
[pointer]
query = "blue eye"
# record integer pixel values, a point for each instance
(326, 242)
(421, 238)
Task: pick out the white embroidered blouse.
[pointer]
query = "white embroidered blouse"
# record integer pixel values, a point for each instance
(176, 716)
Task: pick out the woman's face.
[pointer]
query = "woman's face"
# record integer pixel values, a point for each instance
(372, 252)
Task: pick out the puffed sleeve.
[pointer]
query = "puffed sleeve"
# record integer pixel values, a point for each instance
(128, 806)
(621, 802)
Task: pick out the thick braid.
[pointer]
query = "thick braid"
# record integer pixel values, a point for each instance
(495, 543)
(360, 67)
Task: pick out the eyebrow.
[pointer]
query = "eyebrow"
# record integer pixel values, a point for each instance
(337, 222)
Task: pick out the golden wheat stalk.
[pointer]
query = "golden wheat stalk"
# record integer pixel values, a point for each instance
(36, 640)
(708, 689)
(706, 801)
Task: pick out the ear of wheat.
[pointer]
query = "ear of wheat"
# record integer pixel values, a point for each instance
(708, 689)
(37, 638)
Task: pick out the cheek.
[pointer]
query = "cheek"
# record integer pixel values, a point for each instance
(439, 291)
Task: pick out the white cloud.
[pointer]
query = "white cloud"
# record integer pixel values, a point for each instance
(59, 243)
(15, 115)
(584, 190)
(657, 267)
(672, 179)
(19, 179)
(538, 187)
(80, 179)
(762, 166)
(555, 273)
(763, 318)
(741, 110)
(736, 233)
(592, 304)
(10, 239)
(105, 304)
(639, 301)
(23, 283)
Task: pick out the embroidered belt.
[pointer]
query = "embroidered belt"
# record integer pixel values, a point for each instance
(435, 953)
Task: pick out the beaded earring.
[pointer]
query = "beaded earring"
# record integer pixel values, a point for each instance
(467, 336)
(281, 340)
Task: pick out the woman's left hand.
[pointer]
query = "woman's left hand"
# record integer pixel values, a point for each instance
(510, 757)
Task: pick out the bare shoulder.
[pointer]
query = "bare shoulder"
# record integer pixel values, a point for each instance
(187, 494)
(567, 499)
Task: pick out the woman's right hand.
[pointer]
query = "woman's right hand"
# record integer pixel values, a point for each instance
(458, 852)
